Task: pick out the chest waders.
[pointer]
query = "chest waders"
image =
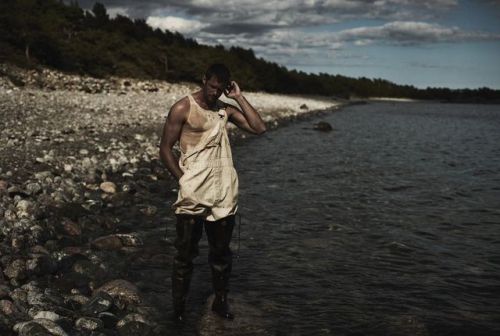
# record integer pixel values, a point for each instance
(208, 194)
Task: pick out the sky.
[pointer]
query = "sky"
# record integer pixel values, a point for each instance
(424, 43)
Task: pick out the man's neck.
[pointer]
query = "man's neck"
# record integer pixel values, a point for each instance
(200, 99)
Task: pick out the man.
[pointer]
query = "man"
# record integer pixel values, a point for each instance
(208, 184)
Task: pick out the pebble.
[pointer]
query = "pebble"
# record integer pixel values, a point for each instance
(51, 326)
(8, 308)
(323, 126)
(108, 187)
(89, 324)
(48, 315)
(110, 242)
(122, 290)
(30, 328)
(16, 269)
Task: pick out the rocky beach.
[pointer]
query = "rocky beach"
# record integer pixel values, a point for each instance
(84, 199)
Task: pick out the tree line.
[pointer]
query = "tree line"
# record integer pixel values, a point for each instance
(68, 38)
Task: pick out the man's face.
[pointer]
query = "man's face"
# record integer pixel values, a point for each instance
(212, 89)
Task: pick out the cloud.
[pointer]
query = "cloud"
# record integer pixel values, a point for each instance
(411, 33)
(114, 11)
(177, 24)
(265, 15)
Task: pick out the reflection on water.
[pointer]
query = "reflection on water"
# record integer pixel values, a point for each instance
(388, 225)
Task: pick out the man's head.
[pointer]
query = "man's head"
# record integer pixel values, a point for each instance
(216, 79)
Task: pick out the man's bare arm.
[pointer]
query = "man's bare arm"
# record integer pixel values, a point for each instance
(171, 134)
(247, 118)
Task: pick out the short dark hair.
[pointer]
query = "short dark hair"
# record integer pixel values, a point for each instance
(220, 71)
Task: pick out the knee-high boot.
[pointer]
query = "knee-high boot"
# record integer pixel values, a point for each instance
(220, 259)
(189, 230)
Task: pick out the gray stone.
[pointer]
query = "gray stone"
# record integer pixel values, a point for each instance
(8, 308)
(48, 315)
(109, 319)
(99, 303)
(51, 326)
(134, 324)
(130, 239)
(323, 126)
(124, 292)
(30, 328)
(110, 242)
(108, 187)
(33, 188)
(16, 270)
(88, 324)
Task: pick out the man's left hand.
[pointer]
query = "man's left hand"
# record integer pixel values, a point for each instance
(233, 90)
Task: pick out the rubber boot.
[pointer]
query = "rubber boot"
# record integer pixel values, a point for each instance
(220, 259)
(189, 231)
(220, 306)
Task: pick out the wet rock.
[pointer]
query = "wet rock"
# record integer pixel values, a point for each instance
(20, 296)
(10, 215)
(31, 328)
(33, 188)
(41, 176)
(77, 301)
(39, 249)
(88, 324)
(323, 126)
(304, 107)
(36, 298)
(130, 240)
(4, 291)
(8, 308)
(71, 228)
(48, 315)
(123, 292)
(4, 185)
(149, 210)
(134, 324)
(16, 191)
(48, 298)
(51, 326)
(99, 303)
(41, 265)
(89, 268)
(24, 209)
(109, 319)
(108, 187)
(16, 270)
(110, 242)
(37, 235)
(19, 242)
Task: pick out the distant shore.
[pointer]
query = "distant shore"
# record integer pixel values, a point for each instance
(390, 99)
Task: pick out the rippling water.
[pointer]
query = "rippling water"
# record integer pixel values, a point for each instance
(388, 225)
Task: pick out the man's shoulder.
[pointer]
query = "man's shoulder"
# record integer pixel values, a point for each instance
(179, 111)
(181, 106)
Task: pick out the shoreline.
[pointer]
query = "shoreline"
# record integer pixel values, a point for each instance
(84, 195)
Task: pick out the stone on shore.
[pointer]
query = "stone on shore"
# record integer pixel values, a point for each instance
(108, 187)
(134, 324)
(323, 126)
(122, 291)
(89, 324)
